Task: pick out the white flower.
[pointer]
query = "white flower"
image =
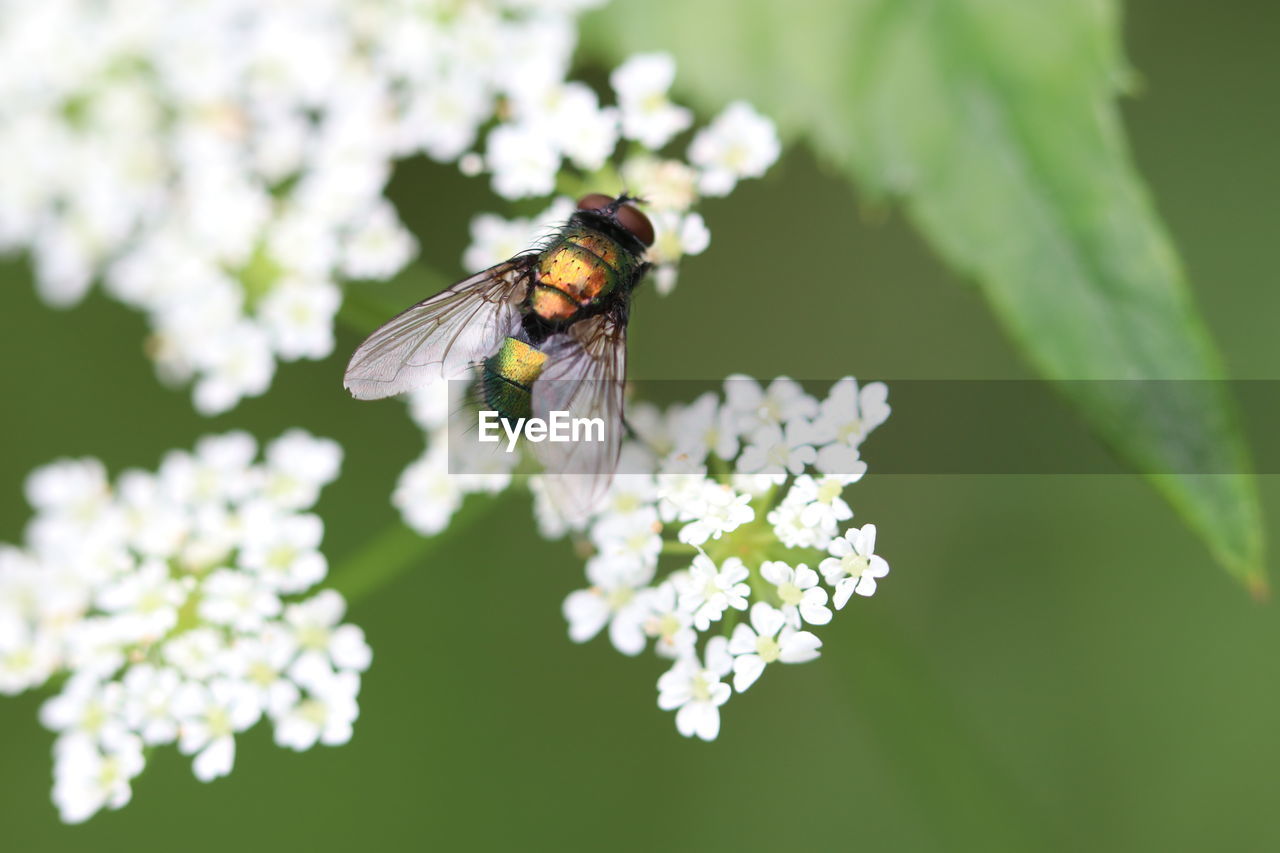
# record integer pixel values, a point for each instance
(707, 591)
(740, 143)
(651, 426)
(236, 139)
(87, 708)
(631, 539)
(219, 470)
(431, 405)
(771, 449)
(791, 527)
(613, 599)
(853, 565)
(156, 527)
(149, 702)
(695, 692)
(299, 316)
(784, 402)
(797, 588)
(683, 488)
(425, 494)
(195, 653)
(648, 116)
(147, 601)
(666, 621)
(632, 494)
(237, 364)
(757, 484)
(76, 488)
(722, 462)
(704, 427)
(722, 510)
(676, 235)
(523, 161)
(767, 639)
(551, 521)
(442, 118)
(323, 643)
(27, 657)
(260, 663)
(88, 777)
(810, 514)
(282, 552)
(298, 466)
(324, 715)
(573, 118)
(175, 630)
(237, 600)
(849, 413)
(665, 185)
(210, 717)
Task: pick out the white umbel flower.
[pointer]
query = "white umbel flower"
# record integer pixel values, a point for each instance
(853, 565)
(695, 692)
(797, 588)
(88, 777)
(648, 116)
(707, 590)
(739, 144)
(688, 538)
(614, 599)
(766, 640)
(182, 638)
(722, 510)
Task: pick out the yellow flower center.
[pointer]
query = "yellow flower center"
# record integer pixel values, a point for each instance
(313, 637)
(619, 597)
(768, 649)
(790, 593)
(855, 564)
(312, 711)
(219, 723)
(261, 674)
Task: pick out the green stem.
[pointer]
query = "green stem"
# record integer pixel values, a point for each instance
(678, 548)
(397, 549)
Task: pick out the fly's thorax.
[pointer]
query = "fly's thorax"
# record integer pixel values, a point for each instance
(583, 267)
(507, 377)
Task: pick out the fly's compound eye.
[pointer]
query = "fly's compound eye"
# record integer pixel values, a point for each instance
(594, 201)
(628, 217)
(637, 223)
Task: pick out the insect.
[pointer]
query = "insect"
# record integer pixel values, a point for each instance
(542, 332)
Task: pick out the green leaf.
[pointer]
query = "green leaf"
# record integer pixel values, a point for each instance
(995, 123)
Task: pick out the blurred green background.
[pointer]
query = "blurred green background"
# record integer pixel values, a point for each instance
(1054, 663)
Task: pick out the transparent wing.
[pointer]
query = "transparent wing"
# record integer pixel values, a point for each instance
(443, 336)
(584, 378)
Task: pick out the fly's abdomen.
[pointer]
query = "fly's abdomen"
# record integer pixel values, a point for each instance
(583, 267)
(507, 378)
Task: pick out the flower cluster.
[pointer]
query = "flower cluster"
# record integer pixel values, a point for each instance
(612, 148)
(221, 165)
(725, 552)
(167, 607)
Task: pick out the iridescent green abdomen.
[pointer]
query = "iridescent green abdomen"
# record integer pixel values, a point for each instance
(507, 377)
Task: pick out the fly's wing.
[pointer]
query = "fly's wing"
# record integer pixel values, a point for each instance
(584, 377)
(443, 336)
